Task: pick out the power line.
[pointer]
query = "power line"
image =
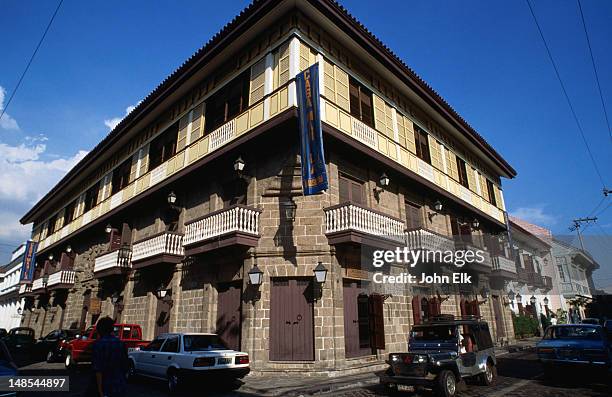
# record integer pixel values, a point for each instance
(8, 102)
(569, 102)
(603, 104)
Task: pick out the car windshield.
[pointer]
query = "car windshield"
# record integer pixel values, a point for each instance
(202, 342)
(573, 332)
(437, 332)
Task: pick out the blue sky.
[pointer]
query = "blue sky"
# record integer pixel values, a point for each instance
(484, 57)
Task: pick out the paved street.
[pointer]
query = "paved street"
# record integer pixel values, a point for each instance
(519, 374)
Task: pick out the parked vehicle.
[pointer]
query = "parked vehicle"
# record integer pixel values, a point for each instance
(441, 354)
(79, 349)
(574, 346)
(20, 343)
(3, 332)
(178, 358)
(590, 320)
(7, 367)
(49, 347)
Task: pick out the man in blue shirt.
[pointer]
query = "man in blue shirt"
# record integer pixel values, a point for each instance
(109, 361)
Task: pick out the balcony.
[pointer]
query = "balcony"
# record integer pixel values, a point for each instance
(237, 225)
(25, 289)
(352, 223)
(522, 275)
(112, 262)
(164, 247)
(38, 286)
(503, 267)
(535, 279)
(548, 283)
(427, 240)
(63, 278)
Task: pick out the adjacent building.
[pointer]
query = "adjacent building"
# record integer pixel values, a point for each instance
(11, 304)
(171, 219)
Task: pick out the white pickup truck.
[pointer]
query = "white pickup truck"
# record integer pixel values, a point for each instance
(178, 357)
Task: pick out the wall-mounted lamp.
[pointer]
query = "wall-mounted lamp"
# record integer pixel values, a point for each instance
(171, 199)
(289, 209)
(519, 298)
(239, 165)
(546, 301)
(484, 292)
(45, 279)
(115, 298)
(320, 273)
(383, 181)
(255, 276)
(108, 229)
(438, 208)
(161, 292)
(533, 300)
(50, 257)
(68, 249)
(511, 295)
(475, 223)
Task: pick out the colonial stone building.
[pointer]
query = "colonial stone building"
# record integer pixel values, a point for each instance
(199, 188)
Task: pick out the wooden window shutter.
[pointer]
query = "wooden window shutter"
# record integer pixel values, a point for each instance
(406, 133)
(105, 187)
(282, 65)
(434, 150)
(344, 190)
(80, 206)
(60, 219)
(416, 309)
(377, 321)
(451, 163)
(258, 77)
(497, 193)
(380, 118)
(329, 81)
(181, 140)
(196, 123)
(134, 168)
(484, 192)
(143, 154)
(307, 56)
(471, 177)
(413, 216)
(342, 88)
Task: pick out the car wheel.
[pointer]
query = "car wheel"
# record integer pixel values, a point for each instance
(488, 377)
(446, 384)
(50, 356)
(131, 372)
(68, 361)
(390, 389)
(173, 380)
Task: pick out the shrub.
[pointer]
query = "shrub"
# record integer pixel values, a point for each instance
(524, 326)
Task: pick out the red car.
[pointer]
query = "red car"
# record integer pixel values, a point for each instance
(80, 349)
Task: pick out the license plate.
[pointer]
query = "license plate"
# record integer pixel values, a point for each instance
(224, 360)
(569, 353)
(405, 388)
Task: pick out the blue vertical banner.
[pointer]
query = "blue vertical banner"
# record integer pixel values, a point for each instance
(29, 262)
(314, 174)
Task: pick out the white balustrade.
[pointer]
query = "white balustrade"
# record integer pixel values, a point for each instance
(421, 239)
(38, 284)
(162, 244)
(503, 263)
(234, 219)
(112, 260)
(25, 288)
(353, 217)
(365, 134)
(61, 277)
(222, 135)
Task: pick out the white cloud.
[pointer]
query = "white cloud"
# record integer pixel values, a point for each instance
(11, 229)
(112, 123)
(535, 215)
(6, 122)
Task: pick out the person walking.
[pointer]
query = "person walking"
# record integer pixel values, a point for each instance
(109, 361)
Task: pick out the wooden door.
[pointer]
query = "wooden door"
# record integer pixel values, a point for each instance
(85, 310)
(356, 324)
(229, 313)
(499, 320)
(291, 320)
(162, 315)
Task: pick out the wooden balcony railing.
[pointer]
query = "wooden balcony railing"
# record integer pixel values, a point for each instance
(350, 217)
(112, 263)
(535, 279)
(238, 224)
(503, 265)
(160, 246)
(61, 279)
(38, 285)
(422, 239)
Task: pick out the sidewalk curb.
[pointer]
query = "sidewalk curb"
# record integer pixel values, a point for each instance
(311, 390)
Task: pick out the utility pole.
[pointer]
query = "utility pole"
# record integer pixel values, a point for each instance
(578, 224)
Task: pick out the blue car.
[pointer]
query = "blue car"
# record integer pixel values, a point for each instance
(574, 346)
(7, 367)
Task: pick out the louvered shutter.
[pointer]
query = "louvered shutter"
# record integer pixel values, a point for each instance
(434, 152)
(406, 133)
(344, 190)
(471, 179)
(258, 77)
(80, 206)
(342, 88)
(377, 321)
(329, 81)
(416, 309)
(105, 187)
(451, 163)
(181, 139)
(484, 192)
(380, 119)
(498, 199)
(307, 56)
(144, 160)
(196, 123)
(281, 66)
(134, 168)
(59, 223)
